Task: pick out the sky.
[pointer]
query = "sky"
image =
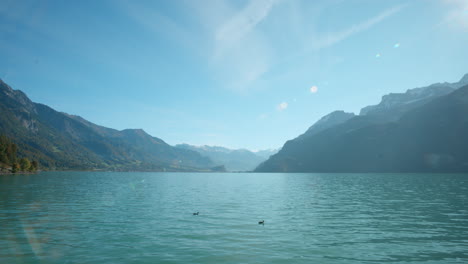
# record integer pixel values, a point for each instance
(240, 74)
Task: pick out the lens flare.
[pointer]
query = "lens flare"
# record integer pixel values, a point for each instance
(282, 106)
(396, 46)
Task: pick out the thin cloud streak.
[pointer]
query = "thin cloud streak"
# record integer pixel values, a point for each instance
(241, 24)
(243, 53)
(336, 37)
(317, 41)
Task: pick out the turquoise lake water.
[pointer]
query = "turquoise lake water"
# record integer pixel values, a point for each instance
(98, 217)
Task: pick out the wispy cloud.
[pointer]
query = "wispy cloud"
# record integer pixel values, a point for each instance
(333, 38)
(458, 14)
(235, 40)
(242, 52)
(305, 30)
(235, 29)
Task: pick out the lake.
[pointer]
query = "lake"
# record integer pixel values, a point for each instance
(104, 217)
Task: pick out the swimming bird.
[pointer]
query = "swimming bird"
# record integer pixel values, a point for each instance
(196, 213)
(261, 222)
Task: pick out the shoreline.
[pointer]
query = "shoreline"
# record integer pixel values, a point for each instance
(19, 172)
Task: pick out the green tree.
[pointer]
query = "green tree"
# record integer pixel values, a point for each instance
(3, 158)
(25, 164)
(34, 166)
(11, 152)
(15, 167)
(4, 144)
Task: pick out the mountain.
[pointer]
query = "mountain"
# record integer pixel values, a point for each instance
(394, 105)
(426, 134)
(330, 120)
(391, 107)
(62, 141)
(232, 159)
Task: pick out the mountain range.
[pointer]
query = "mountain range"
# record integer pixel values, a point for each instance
(67, 142)
(232, 159)
(422, 130)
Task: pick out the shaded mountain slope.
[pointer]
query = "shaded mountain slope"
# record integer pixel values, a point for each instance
(431, 137)
(333, 119)
(61, 141)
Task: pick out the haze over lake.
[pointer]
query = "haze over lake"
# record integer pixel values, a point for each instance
(100, 217)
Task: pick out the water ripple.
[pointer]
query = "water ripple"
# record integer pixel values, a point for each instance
(71, 217)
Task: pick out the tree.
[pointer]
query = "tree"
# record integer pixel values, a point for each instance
(11, 152)
(34, 166)
(4, 145)
(25, 164)
(3, 158)
(15, 167)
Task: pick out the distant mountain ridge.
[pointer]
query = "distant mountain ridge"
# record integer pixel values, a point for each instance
(232, 159)
(62, 141)
(394, 105)
(422, 130)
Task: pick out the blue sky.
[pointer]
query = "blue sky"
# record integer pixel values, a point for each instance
(230, 73)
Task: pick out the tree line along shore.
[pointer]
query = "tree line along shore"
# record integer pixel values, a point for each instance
(10, 162)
